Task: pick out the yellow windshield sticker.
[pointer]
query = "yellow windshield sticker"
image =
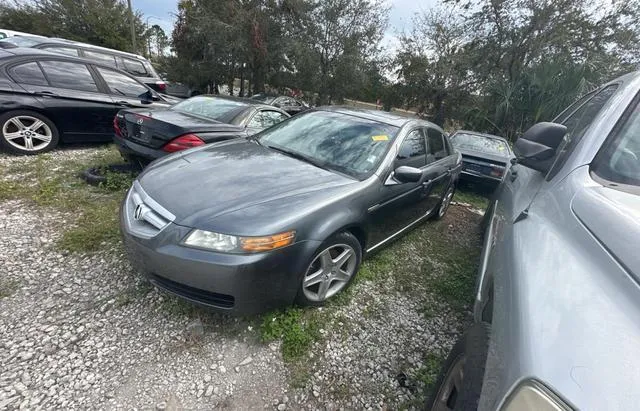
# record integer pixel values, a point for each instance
(380, 138)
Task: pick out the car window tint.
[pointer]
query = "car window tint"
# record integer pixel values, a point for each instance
(64, 74)
(29, 73)
(67, 51)
(100, 57)
(577, 125)
(619, 159)
(266, 119)
(132, 66)
(120, 84)
(437, 149)
(412, 151)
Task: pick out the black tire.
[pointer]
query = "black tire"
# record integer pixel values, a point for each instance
(96, 175)
(339, 238)
(11, 148)
(473, 348)
(437, 214)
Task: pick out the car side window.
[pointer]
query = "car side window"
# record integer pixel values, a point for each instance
(266, 119)
(619, 158)
(577, 125)
(121, 85)
(28, 73)
(67, 51)
(437, 148)
(65, 74)
(96, 56)
(413, 151)
(131, 66)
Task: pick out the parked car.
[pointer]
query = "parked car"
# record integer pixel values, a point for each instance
(291, 105)
(485, 157)
(4, 33)
(135, 65)
(250, 224)
(46, 98)
(143, 135)
(558, 298)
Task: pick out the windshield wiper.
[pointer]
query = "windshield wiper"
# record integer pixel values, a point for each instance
(300, 157)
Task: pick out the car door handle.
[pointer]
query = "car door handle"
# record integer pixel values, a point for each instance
(124, 103)
(426, 183)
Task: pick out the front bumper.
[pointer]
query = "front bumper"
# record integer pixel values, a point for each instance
(131, 149)
(237, 283)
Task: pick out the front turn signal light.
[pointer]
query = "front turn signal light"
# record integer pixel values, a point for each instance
(267, 243)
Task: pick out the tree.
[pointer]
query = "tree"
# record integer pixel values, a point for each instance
(156, 39)
(100, 22)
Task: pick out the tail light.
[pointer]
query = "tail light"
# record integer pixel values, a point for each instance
(497, 171)
(162, 86)
(182, 143)
(116, 127)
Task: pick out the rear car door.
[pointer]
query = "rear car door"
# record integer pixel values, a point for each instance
(401, 204)
(263, 119)
(73, 99)
(440, 164)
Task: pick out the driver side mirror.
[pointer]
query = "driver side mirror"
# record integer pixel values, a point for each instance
(536, 148)
(406, 174)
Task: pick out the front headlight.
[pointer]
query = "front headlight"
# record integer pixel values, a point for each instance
(533, 396)
(234, 244)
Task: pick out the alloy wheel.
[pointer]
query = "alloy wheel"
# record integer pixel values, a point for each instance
(329, 272)
(451, 386)
(446, 201)
(27, 133)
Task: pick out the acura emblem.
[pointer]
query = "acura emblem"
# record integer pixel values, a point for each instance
(139, 213)
(140, 121)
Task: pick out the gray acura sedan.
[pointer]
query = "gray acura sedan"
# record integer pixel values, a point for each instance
(557, 307)
(250, 224)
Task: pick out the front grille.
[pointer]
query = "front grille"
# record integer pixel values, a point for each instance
(145, 218)
(194, 294)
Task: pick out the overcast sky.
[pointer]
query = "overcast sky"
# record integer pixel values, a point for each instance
(162, 12)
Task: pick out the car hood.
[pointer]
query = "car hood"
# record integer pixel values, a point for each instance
(199, 185)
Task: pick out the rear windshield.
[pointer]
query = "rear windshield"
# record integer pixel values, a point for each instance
(479, 143)
(264, 98)
(213, 108)
(22, 41)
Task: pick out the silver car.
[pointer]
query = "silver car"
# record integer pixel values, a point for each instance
(557, 307)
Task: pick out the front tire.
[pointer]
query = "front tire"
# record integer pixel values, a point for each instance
(331, 271)
(27, 132)
(460, 383)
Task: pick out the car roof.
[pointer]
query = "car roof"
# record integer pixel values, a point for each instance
(477, 133)
(60, 41)
(378, 115)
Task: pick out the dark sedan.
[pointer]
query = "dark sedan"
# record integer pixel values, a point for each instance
(145, 135)
(250, 224)
(291, 105)
(46, 98)
(485, 157)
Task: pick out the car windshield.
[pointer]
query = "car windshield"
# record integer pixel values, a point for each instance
(22, 41)
(480, 143)
(214, 108)
(351, 145)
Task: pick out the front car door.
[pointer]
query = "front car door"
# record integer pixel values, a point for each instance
(74, 100)
(399, 205)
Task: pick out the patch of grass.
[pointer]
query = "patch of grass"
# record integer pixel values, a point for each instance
(7, 288)
(297, 329)
(430, 370)
(117, 181)
(477, 200)
(97, 225)
(10, 189)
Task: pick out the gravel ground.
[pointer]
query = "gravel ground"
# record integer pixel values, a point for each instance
(85, 331)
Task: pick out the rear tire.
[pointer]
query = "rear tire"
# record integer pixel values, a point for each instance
(445, 202)
(460, 383)
(331, 270)
(27, 132)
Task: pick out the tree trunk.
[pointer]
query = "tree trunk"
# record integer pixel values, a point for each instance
(241, 81)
